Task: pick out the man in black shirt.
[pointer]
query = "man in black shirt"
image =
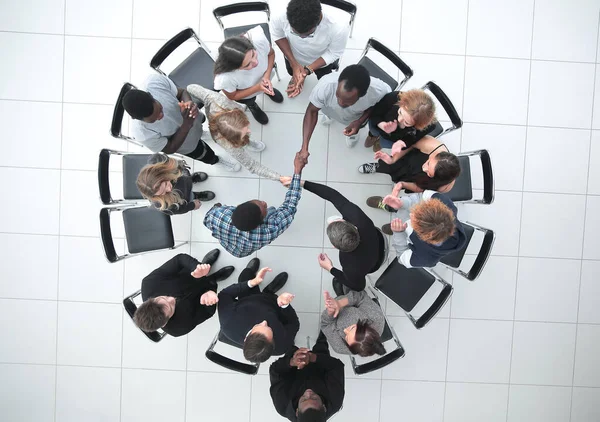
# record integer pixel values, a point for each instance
(179, 295)
(307, 385)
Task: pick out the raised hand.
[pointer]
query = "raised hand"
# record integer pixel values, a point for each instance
(300, 358)
(380, 155)
(285, 299)
(388, 127)
(397, 147)
(398, 226)
(325, 262)
(201, 270)
(393, 201)
(332, 305)
(209, 298)
(260, 276)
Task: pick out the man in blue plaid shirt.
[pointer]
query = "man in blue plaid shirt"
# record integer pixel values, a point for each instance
(248, 227)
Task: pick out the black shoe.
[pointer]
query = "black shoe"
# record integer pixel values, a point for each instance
(338, 288)
(253, 265)
(224, 273)
(260, 116)
(277, 97)
(204, 195)
(199, 176)
(277, 283)
(387, 229)
(250, 271)
(211, 257)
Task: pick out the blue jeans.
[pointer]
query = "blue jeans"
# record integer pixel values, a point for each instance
(383, 141)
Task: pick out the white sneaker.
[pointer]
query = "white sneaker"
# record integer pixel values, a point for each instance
(228, 164)
(325, 120)
(255, 146)
(351, 140)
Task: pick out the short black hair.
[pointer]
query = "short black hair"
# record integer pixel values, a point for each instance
(246, 216)
(312, 415)
(257, 348)
(356, 77)
(139, 104)
(303, 15)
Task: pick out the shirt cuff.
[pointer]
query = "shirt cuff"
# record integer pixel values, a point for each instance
(284, 306)
(250, 285)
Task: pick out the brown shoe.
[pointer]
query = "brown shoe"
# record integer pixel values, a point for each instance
(375, 201)
(370, 141)
(387, 229)
(377, 146)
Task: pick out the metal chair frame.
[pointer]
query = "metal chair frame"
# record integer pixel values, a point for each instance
(441, 96)
(489, 190)
(232, 364)
(129, 305)
(392, 57)
(346, 6)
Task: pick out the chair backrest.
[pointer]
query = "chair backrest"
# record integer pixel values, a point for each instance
(103, 177)
(106, 236)
(226, 362)
(344, 5)
(119, 112)
(249, 6)
(453, 260)
(377, 72)
(131, 307)
(462, 191)
(446, 104)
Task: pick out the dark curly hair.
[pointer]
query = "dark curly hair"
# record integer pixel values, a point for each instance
(303, 15)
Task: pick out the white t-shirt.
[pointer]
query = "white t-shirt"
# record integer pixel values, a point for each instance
(240, 78)
(328, 42)
(154, 136)
(323, 97)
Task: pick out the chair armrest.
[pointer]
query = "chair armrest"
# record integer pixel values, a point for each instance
(391, 56)
(230, 363)
(445, 102)
(488, 177)
(435, 307)
(171, 46)
(106, 235)
(379, 363)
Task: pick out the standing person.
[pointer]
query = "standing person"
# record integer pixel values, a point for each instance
(400, 116)
(230, 128)
(166, 119)
(243, 70)
(311, 41)
(263, 323)
(166, 182)
(179, 295)
(347, 99)
(307, 385)
(248, 227)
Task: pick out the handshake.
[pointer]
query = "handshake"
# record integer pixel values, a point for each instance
(300, 160)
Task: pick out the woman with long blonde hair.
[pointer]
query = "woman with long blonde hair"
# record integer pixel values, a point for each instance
(230, 128)
(167, 184)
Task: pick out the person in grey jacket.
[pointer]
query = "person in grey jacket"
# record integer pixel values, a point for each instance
(353, 324)
(230, 128)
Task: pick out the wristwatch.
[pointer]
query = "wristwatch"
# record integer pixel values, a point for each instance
(308, 69)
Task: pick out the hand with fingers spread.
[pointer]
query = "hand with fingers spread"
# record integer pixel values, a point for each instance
(392, 201)
(332, 305)
(325, 262)
(260, 276)
(398, 226)
(285, 299)
(201, 270)
(209, 298)
(398, 146)
(397, 188)
(380, 155)
(388, 127)
(301, 358)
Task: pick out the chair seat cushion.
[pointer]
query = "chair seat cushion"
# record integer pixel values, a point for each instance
(147, 229)
(239, 30)
(376, 72)
(197, 68)
(404, 286)
(455, 258)
(436, 130)
(132, 164)
(462, 189)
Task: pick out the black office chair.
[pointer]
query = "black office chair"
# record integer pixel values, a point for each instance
(439, 131)
(377, 72)
(462, 191)
(224, 361)
(131, 307)
(382, 361)
(118, 114)
(347, 7)
(132, 164)
(454, 260)
(252, 6)
(146, 230)
(197, 68)
(407, 286)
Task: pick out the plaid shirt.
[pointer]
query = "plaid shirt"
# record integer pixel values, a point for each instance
(240, 243)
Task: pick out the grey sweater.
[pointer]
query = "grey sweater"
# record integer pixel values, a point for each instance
(360, 306)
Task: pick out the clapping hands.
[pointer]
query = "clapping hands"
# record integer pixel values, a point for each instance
(201, 270)
(331, 305)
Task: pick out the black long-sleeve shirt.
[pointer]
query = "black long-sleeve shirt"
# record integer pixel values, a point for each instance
(174, 278)
(362, 260)
(325, 377)
(386, 110)
(184, 187)
(237, 317)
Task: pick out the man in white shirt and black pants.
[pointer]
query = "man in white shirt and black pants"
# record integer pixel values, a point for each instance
(310, 41)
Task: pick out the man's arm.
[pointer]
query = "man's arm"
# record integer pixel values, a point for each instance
(178, 138)
(338, 200)
(311, 116)
(337, 46)
(281, 375)
(183, 95)
(291, 324)
(286, 49)
(175, 265)
(352, 281)
(228, 295)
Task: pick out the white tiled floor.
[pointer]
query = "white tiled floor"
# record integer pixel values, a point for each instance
(519, 344)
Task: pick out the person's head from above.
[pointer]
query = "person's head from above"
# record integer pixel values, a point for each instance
(304, 16)
(154, 313)
(417, 109)
(432, 221)
(443, 166)
(249, 215)
(236, 53)
(343, 235)
(353, 84)
(258, 345)
(232, 126)
(155, 181)
(363, 340)
(140, 105)
(311, 407)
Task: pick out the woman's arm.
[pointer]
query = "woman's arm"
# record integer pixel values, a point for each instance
(248, 162)
(240, 94)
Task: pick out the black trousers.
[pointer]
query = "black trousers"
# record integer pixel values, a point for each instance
(248, 274)
(251, 101)
(321, 346)
(319, 73)
(203, 153)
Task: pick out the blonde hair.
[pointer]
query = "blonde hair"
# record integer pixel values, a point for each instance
(433, 221)
(419, 105)
(152, 175)
(228, 125)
